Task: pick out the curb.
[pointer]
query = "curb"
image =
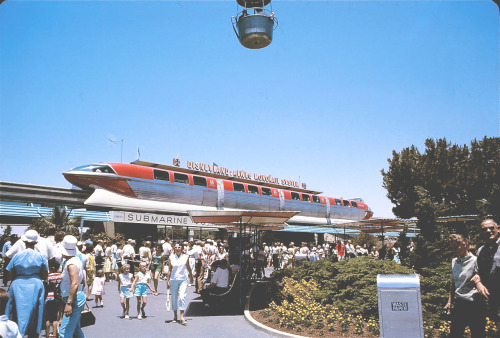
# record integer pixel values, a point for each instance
(261, 327)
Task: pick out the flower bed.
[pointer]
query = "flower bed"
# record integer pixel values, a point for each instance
(301, 314)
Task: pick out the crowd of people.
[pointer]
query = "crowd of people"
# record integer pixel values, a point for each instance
(52, 278)
(281, 256)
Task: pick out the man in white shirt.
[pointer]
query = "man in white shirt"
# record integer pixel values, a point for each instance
(167, 247)
(43, 246)
(128, 254)
(99, 255)
(218, 284)
(349, 250)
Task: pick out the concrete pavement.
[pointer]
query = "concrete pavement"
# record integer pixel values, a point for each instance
(202, 321)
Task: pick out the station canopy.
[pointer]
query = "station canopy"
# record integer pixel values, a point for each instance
(376, 227)
(262, 220)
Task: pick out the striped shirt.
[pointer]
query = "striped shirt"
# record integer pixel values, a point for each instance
(54, 280)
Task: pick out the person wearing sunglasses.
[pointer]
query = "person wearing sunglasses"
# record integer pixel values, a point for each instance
(487, 270)
(177, 281)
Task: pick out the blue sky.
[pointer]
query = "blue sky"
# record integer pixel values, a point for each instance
(342, 85)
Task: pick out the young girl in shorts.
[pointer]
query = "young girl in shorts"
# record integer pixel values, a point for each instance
(124, 284)
(156, 266)
(140, 287)
(98, 287)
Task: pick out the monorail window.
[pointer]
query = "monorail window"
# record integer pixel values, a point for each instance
(354, 204)
(201, 181)
(337, 202)
(316, 199)
(346, 203)
(181, 178)
(306, 198)
(238, 187)
(295, 196)
(252, 189)
(266, 191)
(161, 175)
(97, 168)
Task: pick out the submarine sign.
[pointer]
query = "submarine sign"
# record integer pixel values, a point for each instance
(214, 168)
(135, 217)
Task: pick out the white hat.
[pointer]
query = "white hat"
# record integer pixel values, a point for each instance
(30, 236)
(83, 246)
(69, 245)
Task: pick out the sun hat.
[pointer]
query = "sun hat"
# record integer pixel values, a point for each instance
(30, 236)
(69, 245)
(82, 245)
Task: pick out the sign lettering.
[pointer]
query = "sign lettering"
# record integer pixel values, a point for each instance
(213, 168)
(399, 306)
(134, 217)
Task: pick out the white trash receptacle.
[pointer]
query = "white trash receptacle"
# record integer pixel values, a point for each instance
(399, 306)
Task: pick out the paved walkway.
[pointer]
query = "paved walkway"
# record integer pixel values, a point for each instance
(202, 321)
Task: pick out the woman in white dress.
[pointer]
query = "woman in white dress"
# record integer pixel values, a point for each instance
(177, 281)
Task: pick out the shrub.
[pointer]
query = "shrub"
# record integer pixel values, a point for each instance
(351, 285)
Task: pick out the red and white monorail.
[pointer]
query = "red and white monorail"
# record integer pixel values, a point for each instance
(148, 187)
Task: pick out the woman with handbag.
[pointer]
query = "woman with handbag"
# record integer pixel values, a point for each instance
(71, 290)
(177, 281)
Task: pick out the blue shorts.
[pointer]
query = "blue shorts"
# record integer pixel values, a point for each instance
(125, 292)
(141, 290)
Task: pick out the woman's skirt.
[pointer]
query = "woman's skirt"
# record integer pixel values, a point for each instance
(25, 305)
(108, 265)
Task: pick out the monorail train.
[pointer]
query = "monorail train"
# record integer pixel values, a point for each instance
(166, 189)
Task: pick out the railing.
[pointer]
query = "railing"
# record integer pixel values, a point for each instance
(35, 212)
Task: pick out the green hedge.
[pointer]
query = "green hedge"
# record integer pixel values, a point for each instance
(351, 285)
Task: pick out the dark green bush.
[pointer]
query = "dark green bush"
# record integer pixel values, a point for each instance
(352, 285)
(349, 285)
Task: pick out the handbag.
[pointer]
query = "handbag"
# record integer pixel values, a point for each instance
(168, 302)
(87, 317)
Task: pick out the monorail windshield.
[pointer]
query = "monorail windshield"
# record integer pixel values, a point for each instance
(97, 168)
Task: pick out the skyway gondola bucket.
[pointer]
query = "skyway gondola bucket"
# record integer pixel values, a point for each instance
(254, 31)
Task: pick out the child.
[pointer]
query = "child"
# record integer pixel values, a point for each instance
(124, 283)
(53, 299)
(8, 328)
(141, 285)
(98, 287)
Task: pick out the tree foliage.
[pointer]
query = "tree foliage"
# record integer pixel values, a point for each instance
(61, 220)
(364, 238)
(6, 232)
(444, 180)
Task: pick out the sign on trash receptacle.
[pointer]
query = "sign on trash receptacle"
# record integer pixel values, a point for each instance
(399, 306)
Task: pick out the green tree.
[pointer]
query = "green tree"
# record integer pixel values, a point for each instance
(364, 238)
(6, 234)
(444, 180)
(61, 220)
